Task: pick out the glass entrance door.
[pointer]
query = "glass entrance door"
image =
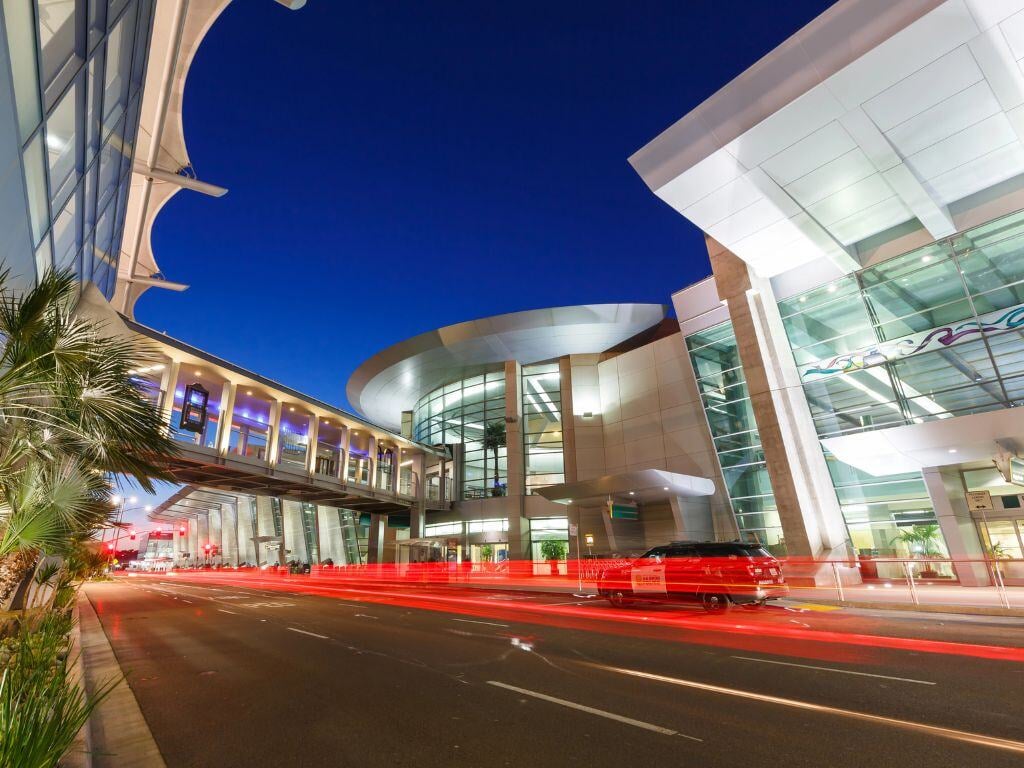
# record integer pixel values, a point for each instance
(1004, 542)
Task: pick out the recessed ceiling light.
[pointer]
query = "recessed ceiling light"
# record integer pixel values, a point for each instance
(291, 408)
(925, 259)
(248, 392)
(631, 493)
(199, 373)
(665, 488)
(952, 450)
(831, 289)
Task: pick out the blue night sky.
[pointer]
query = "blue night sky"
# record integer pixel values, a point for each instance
(393, 170)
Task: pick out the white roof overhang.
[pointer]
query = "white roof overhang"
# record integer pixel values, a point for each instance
(395, 378)
(643, 485)
(875, 114)
(940, 443)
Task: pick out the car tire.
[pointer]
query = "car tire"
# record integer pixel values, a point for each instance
(714, 602)
(618, 599)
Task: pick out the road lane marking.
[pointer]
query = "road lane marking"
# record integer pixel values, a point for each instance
(833, 669)
(304, 632)
(223, 611)
(932, 730)
(184, 600)
(488, 623)
(592, 711)
(365, 616)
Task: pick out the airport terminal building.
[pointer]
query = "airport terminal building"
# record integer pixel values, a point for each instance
(844, 385)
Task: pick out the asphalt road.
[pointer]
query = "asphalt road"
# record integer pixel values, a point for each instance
(233, 672)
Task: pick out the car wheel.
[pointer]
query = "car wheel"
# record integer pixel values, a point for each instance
(715, 602)
(618, 599)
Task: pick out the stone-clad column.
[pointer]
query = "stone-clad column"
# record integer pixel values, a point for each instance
(812, 521)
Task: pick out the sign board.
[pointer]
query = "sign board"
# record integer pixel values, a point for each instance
(619, 511)
(193, 408)
(589, 539)
(1016, 471)
(573, 529)
(979, 500)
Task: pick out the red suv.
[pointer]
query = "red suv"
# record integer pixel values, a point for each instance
(714, 573)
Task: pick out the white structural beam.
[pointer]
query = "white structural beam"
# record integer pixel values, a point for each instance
(887, 160)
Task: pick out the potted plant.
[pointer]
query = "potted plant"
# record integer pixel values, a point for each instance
(494, 439)
(922, 540)
(553, 552)
(997, 552)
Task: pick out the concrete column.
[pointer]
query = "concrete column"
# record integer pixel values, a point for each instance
(343, 464)
(949, 499)
(192, 538)
(274, 438)
(168, 382)
(418, 511)
(518, 525)
(292, 527)
(332, 544)
(514, 428)
(375, 542)
(371, 460)
(227, 409)
(229, 533)
(202, 536)
(568, 421)
(396, 469)
(812, 521)
(442, 477)
(312, 435)
(692, 518)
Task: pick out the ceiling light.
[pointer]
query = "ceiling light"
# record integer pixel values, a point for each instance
(631, 493)
(291, 408)
(803, 299)
(199, 373)
(925, 259)
(831, 289)
(952, 450)
(665, 488)
(248, 392)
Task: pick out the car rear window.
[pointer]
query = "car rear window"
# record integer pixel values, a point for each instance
(732, 549)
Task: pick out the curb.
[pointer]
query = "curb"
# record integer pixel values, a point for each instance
(120, 737)
(79, 754)
(963, 610)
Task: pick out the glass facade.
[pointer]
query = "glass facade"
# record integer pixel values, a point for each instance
(542, 426)
(463, 412)
(726, 402)
(928, 335)
(77, 68)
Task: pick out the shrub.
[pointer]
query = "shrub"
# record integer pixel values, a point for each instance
(41, 708)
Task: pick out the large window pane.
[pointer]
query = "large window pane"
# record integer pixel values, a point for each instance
(22, 50)
(63, 137)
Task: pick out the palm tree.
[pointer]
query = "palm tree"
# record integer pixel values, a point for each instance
(70, 416)
(494, 439)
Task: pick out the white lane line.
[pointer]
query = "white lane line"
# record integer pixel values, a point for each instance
(932, 730)
(592, 711)
(184, 600)
(833, 669)
(223, 611)
(365, 616)
(488, 623)
(304, 632)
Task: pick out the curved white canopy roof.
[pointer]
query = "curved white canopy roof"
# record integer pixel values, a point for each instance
(394, 379)
(875, 115)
